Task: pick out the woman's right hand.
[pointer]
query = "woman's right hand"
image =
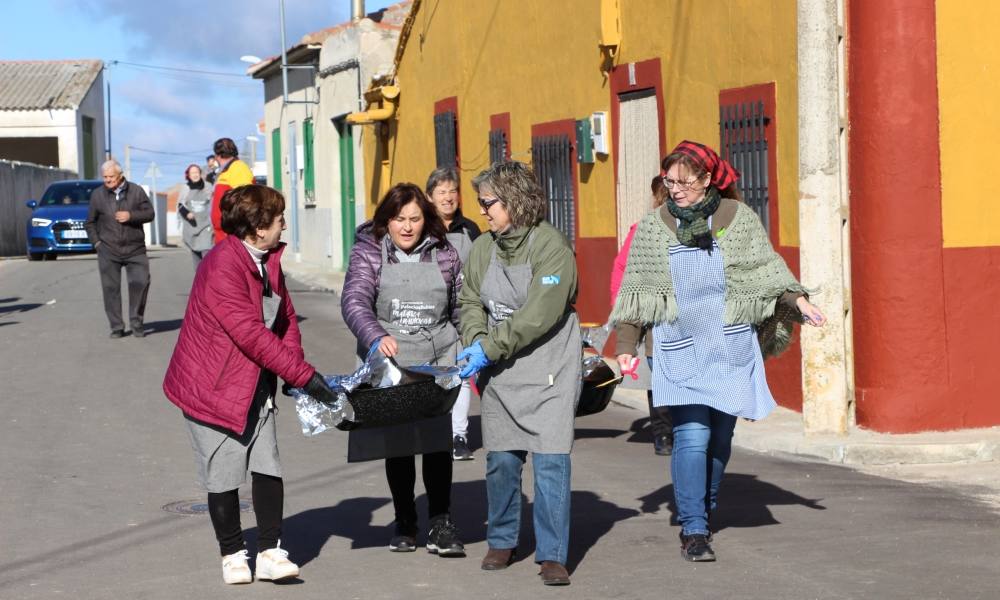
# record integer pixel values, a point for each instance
(387, 346)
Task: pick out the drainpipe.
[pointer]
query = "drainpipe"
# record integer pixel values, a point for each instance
(357, 10)
(379, 116)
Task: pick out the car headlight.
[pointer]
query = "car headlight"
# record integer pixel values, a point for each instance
(41, 222)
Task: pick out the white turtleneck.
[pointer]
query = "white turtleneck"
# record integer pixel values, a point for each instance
(257, 255)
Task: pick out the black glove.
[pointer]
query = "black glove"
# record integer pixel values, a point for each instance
(319, 390)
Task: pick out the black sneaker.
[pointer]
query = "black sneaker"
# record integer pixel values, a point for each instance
(405, 539)
(460, 449)
(117, 333)
(695, 548)
(443, 538)
(663, 445)
(138, 332)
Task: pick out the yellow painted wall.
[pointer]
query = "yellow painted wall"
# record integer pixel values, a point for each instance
(968, 55)
(540, 62)
(709, 45)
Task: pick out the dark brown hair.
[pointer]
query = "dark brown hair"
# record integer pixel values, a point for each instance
(659, 190)
(226, 148)
(247, 208)
(393, 202)
(698, 171)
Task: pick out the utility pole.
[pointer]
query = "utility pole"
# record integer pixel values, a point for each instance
(107, 148)
(293, 200)
(128, 163)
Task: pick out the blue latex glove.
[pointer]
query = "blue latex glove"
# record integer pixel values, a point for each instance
(477, 360)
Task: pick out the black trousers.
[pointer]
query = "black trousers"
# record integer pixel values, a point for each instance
(660, 422)
(137, 271)
(401, 472)
(268, 503)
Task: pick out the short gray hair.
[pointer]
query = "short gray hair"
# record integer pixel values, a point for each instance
(111, 164)
(441, 175)
(514, 184)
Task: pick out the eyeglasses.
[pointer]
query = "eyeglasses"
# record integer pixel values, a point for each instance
(681, 185)
(486, 203)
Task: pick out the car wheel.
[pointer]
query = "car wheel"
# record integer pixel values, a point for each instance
(34, 256)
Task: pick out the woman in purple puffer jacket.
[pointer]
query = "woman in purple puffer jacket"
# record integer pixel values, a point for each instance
(401, 294)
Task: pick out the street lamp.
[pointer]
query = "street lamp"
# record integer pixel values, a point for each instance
(253, 149)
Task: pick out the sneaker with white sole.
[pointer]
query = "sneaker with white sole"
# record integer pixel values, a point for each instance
(235, 568)
(273, 565)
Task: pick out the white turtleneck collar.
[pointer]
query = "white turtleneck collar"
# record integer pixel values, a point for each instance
(257, 255)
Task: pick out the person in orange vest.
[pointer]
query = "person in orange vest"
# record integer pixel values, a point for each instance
(233, 173)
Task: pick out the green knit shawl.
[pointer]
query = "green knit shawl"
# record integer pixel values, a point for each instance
(756, 276)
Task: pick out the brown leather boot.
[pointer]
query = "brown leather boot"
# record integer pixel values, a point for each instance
(553, 573)
(496, 560)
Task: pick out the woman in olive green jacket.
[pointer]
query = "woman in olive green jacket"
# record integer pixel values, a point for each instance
(522, 332)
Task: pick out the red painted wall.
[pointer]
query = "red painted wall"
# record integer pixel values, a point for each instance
(898, 263)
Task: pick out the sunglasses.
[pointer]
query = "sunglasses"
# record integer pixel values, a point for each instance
(486, 203)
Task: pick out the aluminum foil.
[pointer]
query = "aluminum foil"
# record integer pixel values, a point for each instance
(376, 371)
(590, 363)
(595, 337)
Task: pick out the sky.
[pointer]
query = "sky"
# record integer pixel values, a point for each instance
(176, 113)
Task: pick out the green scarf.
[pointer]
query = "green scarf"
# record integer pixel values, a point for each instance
(756, 276)
(693, 229)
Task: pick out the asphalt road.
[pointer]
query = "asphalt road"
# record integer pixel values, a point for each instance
(92, 452)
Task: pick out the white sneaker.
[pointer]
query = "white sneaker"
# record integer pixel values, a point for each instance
(273, 564)
(235, 568)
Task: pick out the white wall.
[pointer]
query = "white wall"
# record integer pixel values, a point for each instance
(92, 106)
(60, 124)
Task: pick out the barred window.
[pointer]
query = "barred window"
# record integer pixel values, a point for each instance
(498, 146)
(552, 157)
(743, 129)
(445, 139)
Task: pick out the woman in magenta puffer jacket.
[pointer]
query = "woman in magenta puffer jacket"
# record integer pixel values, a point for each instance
(239, 333)
(401, 293)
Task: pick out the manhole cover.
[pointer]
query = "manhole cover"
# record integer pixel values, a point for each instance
(197, 507)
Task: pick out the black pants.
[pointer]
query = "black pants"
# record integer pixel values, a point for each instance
(401, 472)
(268, 504)
(137, 272)
(660, 422)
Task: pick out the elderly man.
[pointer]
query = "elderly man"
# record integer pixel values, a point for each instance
(118, 210)
(232, 174)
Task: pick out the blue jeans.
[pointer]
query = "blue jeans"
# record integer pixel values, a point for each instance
(551, 510)
(703, 441)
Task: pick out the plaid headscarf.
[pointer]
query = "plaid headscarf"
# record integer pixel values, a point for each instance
(723, 174)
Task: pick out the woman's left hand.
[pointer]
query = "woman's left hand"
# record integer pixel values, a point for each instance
(810, 312)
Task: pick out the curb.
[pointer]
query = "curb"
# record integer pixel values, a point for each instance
(781, 433)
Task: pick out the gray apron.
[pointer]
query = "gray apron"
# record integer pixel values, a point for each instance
(529, 400)
(412, 305)
(224, 457)
(462, 243)
(200, 236)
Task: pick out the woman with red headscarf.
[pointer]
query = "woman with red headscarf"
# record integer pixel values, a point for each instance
(701, 273)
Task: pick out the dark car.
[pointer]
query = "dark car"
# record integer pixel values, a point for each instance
(56, 223)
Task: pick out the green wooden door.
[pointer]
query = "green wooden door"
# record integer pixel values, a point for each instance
(346, 188)
(276, 159)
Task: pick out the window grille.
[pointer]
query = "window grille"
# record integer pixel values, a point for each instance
(498, 146)
(552, 157)
(743, 131)
(445, 139)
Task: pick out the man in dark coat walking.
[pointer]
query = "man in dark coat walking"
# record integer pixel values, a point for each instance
(118, 210)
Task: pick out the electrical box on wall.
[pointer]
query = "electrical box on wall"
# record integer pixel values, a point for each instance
(584, 147)
(599, 131)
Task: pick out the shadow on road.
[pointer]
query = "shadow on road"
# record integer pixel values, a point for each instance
(583, 433)
(163, 326)
(8, 300)
(743, 502)
(641, 432)
(11, 308)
